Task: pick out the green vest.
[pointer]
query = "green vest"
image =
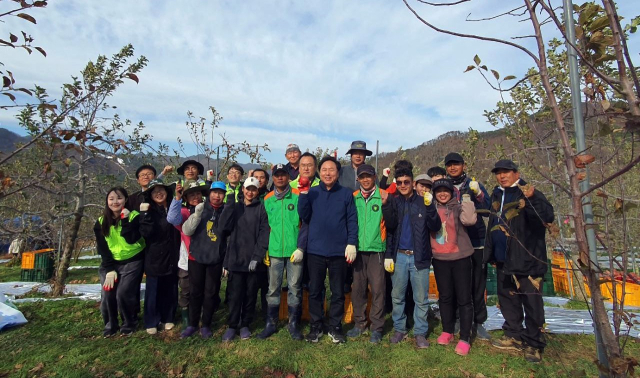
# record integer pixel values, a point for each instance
(372, 233)
(231, 190)
(294, 183)
(120, 249)
(284, 222)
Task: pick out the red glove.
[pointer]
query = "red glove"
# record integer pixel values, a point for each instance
(303, 184)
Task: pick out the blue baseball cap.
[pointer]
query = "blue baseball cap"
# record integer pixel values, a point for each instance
(219, 185)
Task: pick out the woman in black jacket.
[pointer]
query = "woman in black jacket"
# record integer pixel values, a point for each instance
(248, 243)
(161, 258)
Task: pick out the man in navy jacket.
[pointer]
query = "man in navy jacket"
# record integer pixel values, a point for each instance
(330, 213)
(408, 257)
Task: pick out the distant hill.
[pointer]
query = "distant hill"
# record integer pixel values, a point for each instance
(432, 152)
(9, 141)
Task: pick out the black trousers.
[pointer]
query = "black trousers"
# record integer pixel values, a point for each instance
(263, 288)
(160, 300)
(516, 305)
(318, 266)
(204, 285)
(183, 284)
(454, 286)
(479, 286)
(123, 299)
(243, 292)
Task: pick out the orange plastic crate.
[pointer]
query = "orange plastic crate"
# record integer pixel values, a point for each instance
(29, 258)
(348, 307)
(284, 310)
(433, 285)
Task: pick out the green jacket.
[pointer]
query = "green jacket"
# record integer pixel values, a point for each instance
(372, 230)
(284, 222)
(294, 183)
(120, 249)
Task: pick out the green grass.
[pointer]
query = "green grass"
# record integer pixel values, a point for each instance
(10, 274)
(63, 338)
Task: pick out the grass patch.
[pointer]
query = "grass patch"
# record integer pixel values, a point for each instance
(63, 338)
(574, 304)
(11, 274)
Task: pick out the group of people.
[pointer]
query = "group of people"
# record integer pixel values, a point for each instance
(308, 219)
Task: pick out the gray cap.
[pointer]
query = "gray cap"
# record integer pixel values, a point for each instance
(423, 179)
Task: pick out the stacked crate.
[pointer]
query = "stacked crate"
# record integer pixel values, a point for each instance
(37, 266)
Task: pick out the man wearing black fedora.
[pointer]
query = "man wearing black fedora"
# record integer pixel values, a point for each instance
(359, 153)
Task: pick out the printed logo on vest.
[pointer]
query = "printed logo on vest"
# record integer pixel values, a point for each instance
(290, 207)
(375, 208)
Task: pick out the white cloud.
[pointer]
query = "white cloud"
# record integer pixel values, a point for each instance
(314, 73)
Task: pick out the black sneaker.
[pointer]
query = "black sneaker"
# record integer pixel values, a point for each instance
(314, 335)
(336, 336)
(532, 354)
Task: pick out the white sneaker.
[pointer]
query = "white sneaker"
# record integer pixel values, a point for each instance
(168, 326)
(152, 331)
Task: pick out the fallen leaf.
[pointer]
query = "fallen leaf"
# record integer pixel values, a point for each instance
(119, 373)
(37, 368)
(18, 366)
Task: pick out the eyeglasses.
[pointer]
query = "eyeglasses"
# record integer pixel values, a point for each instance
(146, 175)
(403, 183)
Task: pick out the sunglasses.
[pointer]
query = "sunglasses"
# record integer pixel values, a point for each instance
(403, 183)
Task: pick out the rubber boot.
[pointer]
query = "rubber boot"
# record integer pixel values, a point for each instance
(272, 322)
(294, 322)
(185, 317)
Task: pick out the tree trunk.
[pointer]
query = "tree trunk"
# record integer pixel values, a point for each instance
(62, 269)
(578, 280)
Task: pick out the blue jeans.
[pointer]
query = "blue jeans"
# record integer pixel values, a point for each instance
(405, 271)
(294, 282)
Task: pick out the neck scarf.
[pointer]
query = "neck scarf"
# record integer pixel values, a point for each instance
(280, 195)
(458, 180)
(367, 193)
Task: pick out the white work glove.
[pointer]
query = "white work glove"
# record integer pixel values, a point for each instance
(109, 280)
(296, 256)
(252, 265)
(210, 175)
(475, 187)
(466, 198)
(428, 198)
(388, 265)
(350, 253)
(124, 214)
(144, 207)
(386, 172)
(199, 208)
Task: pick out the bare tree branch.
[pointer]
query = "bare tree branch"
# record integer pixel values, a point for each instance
(508, 13)
(443, 4)
(472, 36)
(620, 172)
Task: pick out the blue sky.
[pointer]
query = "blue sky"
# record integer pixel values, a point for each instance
(319, 74)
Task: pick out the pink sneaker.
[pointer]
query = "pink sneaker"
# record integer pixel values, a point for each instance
(444, 338)
(463, 348)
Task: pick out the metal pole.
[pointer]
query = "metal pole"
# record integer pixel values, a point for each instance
(217, 160)
(576, 103)
(377, 149)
